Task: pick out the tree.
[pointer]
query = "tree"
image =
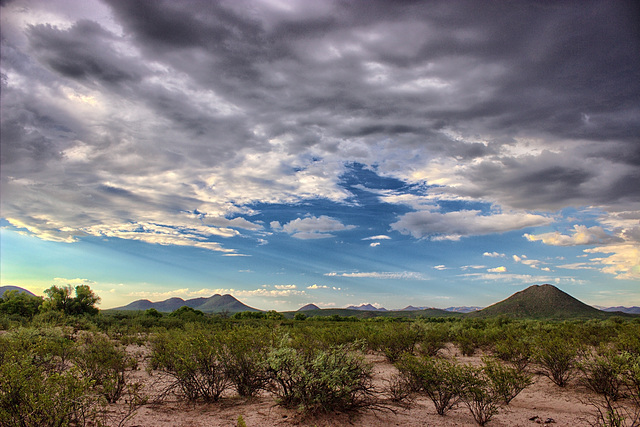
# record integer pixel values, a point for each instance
(60, 299)
(14, 302)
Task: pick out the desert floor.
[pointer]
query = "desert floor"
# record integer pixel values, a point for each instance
(568, 406)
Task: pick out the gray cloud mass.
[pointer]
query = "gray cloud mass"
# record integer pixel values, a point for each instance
(165, 107)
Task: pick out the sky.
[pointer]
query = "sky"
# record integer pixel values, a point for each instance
(431, 153)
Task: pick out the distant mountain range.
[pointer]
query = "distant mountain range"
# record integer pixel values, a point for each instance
(628, 310)
(214, 304)
(463, 309)
(538, 301)
(4, 289)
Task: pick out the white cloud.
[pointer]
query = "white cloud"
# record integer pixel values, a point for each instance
(501, 269)
(624, 262)
(374, 244)
(404, 275)
(493, 255)
(439, 267)
(473, 267)
(285, 286)
(454, 225)
(581, 235)
(379, 237)
(533, 263)
(312, 227)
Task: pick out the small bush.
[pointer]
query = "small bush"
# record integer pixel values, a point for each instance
(479, 395)
(604, 373)
(439, 379)
(34, 391)
(505, 381)
(517, 351)
(432, 338)
(557, 356)
(105, 363)
(195, 360)
(395, 339)
(245, 351)
(338, 379)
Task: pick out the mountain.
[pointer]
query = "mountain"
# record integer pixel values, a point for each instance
(540, 302)
(463, 309)
(4, 289)
(222, 303)
(412, 308)
(628, 310)
(309, 307)
(366, 307)
(214, 304)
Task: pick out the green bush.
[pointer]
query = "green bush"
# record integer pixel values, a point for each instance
(479, 395)
(195, 360)
(38, 389)
(604, 373)
(338, 379)
(557, 355)
(105, 363)
(440, 380)
(300, 316)
(245, 351)
(506, 382)
(432, 337)
(395, 339)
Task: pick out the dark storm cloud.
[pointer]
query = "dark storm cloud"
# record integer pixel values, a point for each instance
(525, 68)
(82, 53)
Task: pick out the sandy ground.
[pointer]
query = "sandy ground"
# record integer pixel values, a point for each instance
(565, 406)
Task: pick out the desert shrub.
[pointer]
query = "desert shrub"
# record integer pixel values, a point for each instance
(604, 373)
(400, 389)
(195, 360)
(479, 395)
(300, 316)
(249, 315)
(105, 363)
(432, 337)
(439, 379)
(395, 339)
(632, 385)
(506, 382)
(338, 379)
(471, 335)
(49, 349)
(34, 391)
(629, 339)
(556, 355)
(188, 314)
(244, 360)
(517, 350)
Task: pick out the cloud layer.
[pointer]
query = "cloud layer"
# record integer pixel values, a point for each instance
(179, 123)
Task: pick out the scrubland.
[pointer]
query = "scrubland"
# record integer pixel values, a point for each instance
(188, 369)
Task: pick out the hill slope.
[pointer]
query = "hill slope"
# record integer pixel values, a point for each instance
(214, 304)
(540, 302)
